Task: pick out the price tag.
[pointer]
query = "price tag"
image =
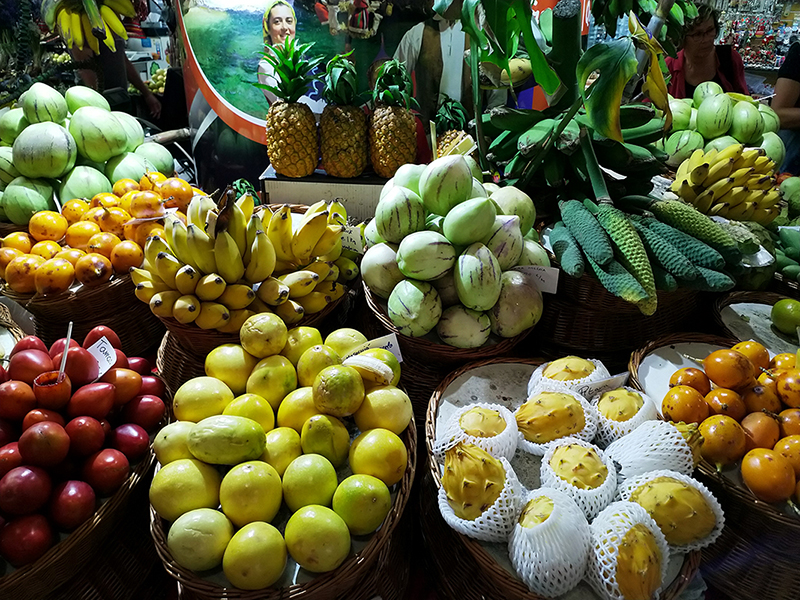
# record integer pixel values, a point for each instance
(104, 354)
(590, 390)
(352, 240)
(387, 342)
(546, 277)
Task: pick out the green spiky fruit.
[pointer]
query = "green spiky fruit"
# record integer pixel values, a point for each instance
(482, 422)
(619, 405)
(681, 511)
(473, 480)
(579, 466)
(548, 416)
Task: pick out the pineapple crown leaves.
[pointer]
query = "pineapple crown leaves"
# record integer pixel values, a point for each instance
(450, 115)
(341, 83)
(393, 86)
(293, 71)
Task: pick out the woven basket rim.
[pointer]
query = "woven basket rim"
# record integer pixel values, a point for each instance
(7, 321)
(353, 568)
(61, 552)
(755, 297)
(512, 586)
(739, 493)
(437, 350)
(81, 294)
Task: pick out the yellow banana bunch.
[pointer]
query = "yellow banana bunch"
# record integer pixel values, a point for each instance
(305, 239)
(186, 309)
(162, 303)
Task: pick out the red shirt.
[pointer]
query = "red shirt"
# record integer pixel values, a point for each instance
(731, 78)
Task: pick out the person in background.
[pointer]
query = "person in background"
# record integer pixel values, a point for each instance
(786, 103)
(279, 23)
(701, 60)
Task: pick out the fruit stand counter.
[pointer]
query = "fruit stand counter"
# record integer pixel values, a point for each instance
(361, 192)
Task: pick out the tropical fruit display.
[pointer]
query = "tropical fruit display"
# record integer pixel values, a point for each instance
(731, 182)
(392, 128)
(282, 452)
(87, 23)
(745, 402)
(69, 440)
(442, 253)
(623, 501)
(57, 148)
(230, 261)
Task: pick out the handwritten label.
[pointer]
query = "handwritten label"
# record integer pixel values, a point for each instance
(352, 240)
(590, 390)
(104, 354)
(387, 342)
(546, 277)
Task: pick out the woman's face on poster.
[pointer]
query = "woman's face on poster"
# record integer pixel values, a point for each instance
(281, 24)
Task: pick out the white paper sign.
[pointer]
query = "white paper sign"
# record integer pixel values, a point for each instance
(590, 390)
(546, 277)
(387, 342)
(104, 354)
(351, 239)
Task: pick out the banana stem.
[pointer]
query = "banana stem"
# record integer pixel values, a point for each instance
(599, 187)
(566, 47)
(474, 67)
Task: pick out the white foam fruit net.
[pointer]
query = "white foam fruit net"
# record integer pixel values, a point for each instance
(496, 522)
(589, 416)
(551, 557)
(503, 444)
(626, 490)
(608, 531)
(590, 501)
(651, 446)
(537, 377)
(609, 431)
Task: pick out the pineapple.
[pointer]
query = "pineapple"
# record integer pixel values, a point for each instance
(451, 120)
(392, 128)
(343, 126)
(291, 127)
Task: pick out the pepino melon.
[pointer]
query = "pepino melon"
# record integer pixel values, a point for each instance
(681, 115)
(159, 156)
(707, 89)
(8, 172)
(44, 150)
(12, 122)
(98, 133)
(715, 115)
(127, 166)
(3, 217)
(24, 197)
(80, 95)
(133, 130)
(83, 182)
(770, 118)
(680, 146)
(43, 103)
(774, 147)
(720, 143)
(747, 124)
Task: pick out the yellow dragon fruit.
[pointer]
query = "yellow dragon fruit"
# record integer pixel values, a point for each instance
(473, 480)
(482, 422)
(536, 512)
(568, 368)
(639, 558)
(548, 416)
(579, 466)
(619, 405)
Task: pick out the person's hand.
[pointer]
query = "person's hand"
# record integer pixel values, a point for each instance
(153, 105)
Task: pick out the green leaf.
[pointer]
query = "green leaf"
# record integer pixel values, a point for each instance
(616, 63)
(676, 14)
(546, 24)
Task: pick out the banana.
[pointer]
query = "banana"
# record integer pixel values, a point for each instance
(740, 176)
(720, 208)
(237, 319)
(722, 187)
(112, 21)
(762, 163)
(327, 240)
(201, 249)
(314, 302)
(88, 36)
(147, 289)
(161, 303)
(711, 156)
(176, 229)
(64, 20)
(262, 259)
(123, 7)
(246, 204)
(167, 267)
(49, 10)
(371, 369)
(333, 254)
(348, 270)
(307, 236)
(331, 288)
(254, 225)
(108, 40)
(210, 287)
(748, 214)
(756, 196)
(199, 207)
(765, 216)
(237, 228)
(699, 173)
(748, 158)
(694, 160)
(279, 232)
(738, 213)
(290, 311)
(299, 282)
(237, 296)
(735, 196)
(718, 170)
(314, 209)
(273, 291)
(337, 213)
(93, 13)
(229, 260)
(770, 199)
(334, 274)
(186, 309)
(153, 245)
(76, 29)
(186, 279)
(259, 306)
(212, 315)
(704, 200)
(321, 268)
(141, 275)
(210, 226)
(731, 152)
(763, 182)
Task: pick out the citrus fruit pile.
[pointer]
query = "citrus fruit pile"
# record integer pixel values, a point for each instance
(748, 408)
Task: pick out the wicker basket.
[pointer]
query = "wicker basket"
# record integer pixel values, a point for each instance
(7, 228)
(768, 298)
(8, 323)
(759, 526)
(435, 352)
(112, 304)
(463, 568)
(344, 582)
(83, 546)
(784, 285)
